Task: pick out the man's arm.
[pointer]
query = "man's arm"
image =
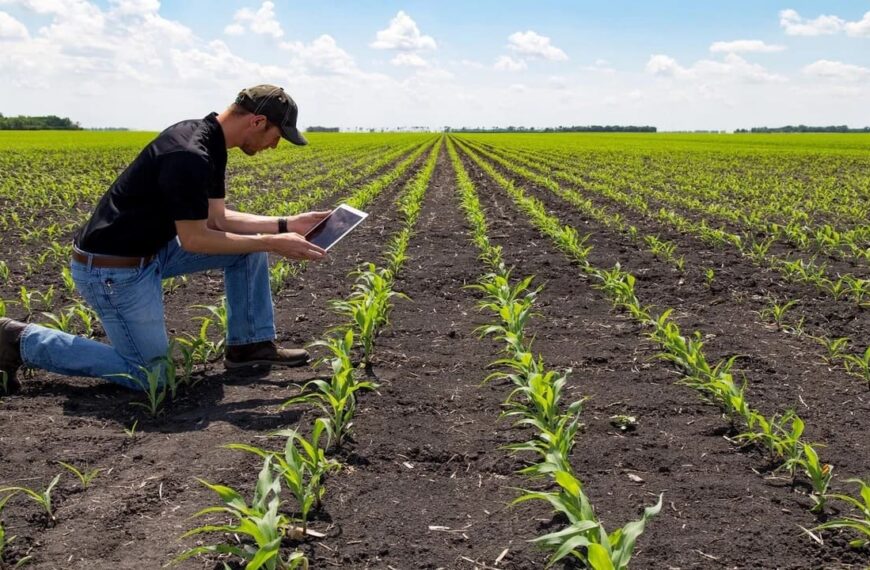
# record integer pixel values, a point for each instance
(223, 219)
(196, 236)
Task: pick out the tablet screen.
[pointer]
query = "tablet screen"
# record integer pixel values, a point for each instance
(336, 226)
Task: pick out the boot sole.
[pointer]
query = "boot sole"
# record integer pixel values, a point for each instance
(283, 363)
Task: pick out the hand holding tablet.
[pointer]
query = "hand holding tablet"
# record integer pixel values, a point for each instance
(335, 226)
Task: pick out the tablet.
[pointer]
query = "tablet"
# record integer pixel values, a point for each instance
(335, 226)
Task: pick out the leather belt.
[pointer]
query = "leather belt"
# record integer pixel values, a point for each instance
(97, 260)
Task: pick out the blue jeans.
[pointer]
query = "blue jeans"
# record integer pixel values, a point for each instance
(129, 302)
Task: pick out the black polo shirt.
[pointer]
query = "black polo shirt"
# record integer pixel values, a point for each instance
(171, 179)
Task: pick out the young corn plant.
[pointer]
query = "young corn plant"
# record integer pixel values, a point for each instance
(368, 305)
(776, 312)
(303, 466)
(42, 498)
(154, 386)
(218, 317)
(585, 539)
(336, 399)
(87, 317)
(859, 365)
(819, 474)
(280, 273)
(835, 347)
(63, 321)
(859, 523)
(86, 477)
(709, 276)
(260, 522)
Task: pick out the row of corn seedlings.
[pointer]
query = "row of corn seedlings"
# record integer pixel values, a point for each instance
(537, 402)
(856, 364)
(717, 199)
(44, 499)
(798, 270)
(780, 435)
(303, 465)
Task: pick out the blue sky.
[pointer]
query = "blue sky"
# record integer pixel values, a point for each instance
(673, 64)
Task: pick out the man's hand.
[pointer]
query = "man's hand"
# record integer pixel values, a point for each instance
(294, 246)
(301, 223)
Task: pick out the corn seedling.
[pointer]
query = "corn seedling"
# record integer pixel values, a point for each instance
(368, 305)
(25, 296)
(303, 466)
(836, 348)
(171, 284)
(819, 474)
(86, 315)
(709, 276)
(218, 317)
(2, 308)
(280, 272)
(585, 539)
(84, 476)
(260, 522)
(153, 385)
(42, 498)
(4, 272)
(336, 398)
(776, 312)
(66, 277)
(859, 365)
(860, 523)
(131, 431)
(62, 321)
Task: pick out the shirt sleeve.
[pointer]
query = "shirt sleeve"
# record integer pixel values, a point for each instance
(185, 182)
(218, 188)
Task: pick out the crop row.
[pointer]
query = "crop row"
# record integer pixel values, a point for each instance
(781, 434)
(858, 290)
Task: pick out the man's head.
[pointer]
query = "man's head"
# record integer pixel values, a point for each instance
(269, 114)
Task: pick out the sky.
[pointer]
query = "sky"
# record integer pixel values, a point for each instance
(677, 65)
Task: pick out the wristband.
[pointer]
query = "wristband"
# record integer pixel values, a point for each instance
(282, 225)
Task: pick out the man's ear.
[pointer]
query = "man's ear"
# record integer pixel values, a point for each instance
(257, 121)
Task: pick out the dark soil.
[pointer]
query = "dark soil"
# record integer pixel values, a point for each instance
(425, 483)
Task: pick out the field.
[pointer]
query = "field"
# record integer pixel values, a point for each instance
(676, 323)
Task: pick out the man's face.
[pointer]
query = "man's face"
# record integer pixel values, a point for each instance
(261, 135)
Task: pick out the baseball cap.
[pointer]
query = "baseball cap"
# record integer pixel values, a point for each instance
(273, 103)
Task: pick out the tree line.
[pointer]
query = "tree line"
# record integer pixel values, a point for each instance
(804, 129)
(48, 122)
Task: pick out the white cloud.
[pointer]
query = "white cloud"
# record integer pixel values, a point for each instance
(409, 60)
(12, 29)
(403, 34)
(745, 46)
(532, 44)
(795, 25)
(730, 69)
(261, 22)
(507, 63)
(664, 65)
(859, 28)
(322, 55)
(836, 70)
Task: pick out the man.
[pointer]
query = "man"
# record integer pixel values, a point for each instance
(165, 216)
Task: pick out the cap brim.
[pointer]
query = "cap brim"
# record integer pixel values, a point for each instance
(293, 135)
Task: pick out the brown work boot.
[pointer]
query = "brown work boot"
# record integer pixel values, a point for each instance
(10, 354)
(265, 353)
